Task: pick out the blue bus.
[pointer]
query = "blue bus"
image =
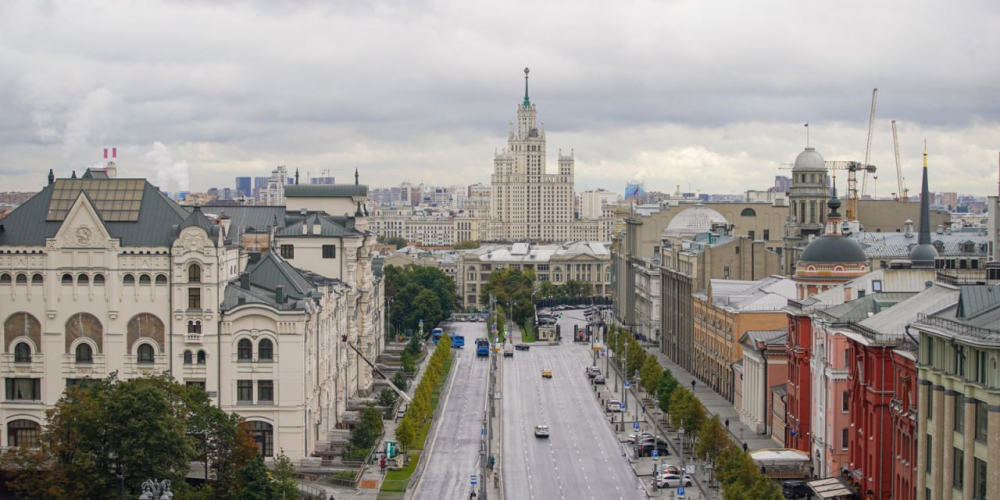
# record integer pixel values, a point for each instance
(457, 341)
(436, 335)
(482, 347)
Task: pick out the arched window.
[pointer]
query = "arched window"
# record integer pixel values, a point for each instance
(4, 279)
(201, 357)
(161, 279)
(22, 279)
(188, 358)
(145, 280)
(84, 353)
(265, 350)
(748, 212)
(23, 434)
(99, 280)
(194, 273)
(67, 279)
(244, 350)
(22, 353)
(146, 354)
(37, 279)
(83, 279)
(263, 435)
(128, 279)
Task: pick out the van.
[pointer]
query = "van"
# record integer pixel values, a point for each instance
(508, 349)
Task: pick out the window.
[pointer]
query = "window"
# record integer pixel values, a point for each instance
(329, 251)
(751, 234)
(161, 279)
(845, 404)
(957, 480)
(244, 391)
(84, 354)
(930, 404)
(959, 414)
(4, 279)
(98, 280)
(748, 212)
(930, 449)
(37, 279)
(960, 360)
(196, 383)
(194, 298)
(844, 438)
(288, 251)
(24, 389)
(81, 280)
(981, 366)
(265, 350)
(201, 357)
(128, 279)
(26, 434)
(146, 354)
(188, 357)
(767, 234)
(194, 273)
(194, 327)
(145, 280)
(263, 435)
(982, 422)
(22, 353)
(265, 391)
(78, 382)
(67, 279)
(244, 350)
(978, 479)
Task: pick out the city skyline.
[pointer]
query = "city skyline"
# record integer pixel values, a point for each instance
(713, 99)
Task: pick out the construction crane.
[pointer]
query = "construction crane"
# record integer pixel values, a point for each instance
(852, 178)
(852, 168)
(903, 194)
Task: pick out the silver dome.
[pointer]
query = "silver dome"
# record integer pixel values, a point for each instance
(694, 220)
(810, 159)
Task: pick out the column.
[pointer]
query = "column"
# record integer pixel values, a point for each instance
(993, 452)
(937, 453)
(969, 443)
(948, 444)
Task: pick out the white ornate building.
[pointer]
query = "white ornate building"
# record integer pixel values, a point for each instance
(102, 275)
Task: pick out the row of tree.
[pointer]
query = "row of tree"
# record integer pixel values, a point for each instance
(417, 419)
(419, 293)
(106, 436)
(740, 477)
(511, 288)
(572, 289)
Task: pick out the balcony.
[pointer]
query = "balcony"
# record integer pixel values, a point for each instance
(192, 338)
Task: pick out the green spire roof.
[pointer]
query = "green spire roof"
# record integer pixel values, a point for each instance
(527, 102)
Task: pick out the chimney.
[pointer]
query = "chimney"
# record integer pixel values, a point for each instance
(940, 229)
(908, 228)
(349, 221)
(225, 222)
(52, 177)
(317, 227)
(245, 280)
(279, 294)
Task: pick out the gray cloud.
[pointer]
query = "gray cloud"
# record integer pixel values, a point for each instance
(711, 94)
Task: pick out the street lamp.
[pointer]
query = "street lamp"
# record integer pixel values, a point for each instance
(683, 468)
(154, 490)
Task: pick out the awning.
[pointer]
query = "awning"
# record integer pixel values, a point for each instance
(831, 487)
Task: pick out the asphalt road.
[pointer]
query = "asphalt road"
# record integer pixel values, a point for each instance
(454, 447)
(582, 459)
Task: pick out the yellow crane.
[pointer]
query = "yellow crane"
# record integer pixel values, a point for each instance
(903, 194)
(852, 167)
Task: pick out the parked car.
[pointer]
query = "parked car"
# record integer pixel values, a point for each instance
(645, 448)
(640, 436)
(795, 489)
(541, 431)
(673, 481)
(599, 380)
(669, 469)
(522, 347)
(593, 371)
(613, 405)
(546, 373)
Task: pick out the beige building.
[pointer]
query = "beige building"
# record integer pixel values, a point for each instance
(578, 260)
(104, 275)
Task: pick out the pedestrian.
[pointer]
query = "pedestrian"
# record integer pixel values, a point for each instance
(382, 464)
(692, 384)
(727, 424)
(745, 447)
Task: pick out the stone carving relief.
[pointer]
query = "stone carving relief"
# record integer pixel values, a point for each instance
(83, 236)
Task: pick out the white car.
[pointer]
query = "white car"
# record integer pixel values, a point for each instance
(673, 481)
(613, 405)
(542, 431)
(640, 436)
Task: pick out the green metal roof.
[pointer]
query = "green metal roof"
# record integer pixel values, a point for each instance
(325, 190)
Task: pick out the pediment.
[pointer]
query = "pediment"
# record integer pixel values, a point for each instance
(82, 227)
(193, 239)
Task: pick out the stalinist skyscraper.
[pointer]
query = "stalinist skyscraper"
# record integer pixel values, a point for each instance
(527, 203)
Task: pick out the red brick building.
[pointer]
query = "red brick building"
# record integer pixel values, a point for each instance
(799, 395)
(903, 410)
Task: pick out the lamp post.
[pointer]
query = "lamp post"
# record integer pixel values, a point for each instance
(683, 468)
(156, 490)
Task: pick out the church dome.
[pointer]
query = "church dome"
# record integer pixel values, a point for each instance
(694, 220)
(832, 249)
(809, 160)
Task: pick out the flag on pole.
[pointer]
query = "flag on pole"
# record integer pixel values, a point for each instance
(807, 124)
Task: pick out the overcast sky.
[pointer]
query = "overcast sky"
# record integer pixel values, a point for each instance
(710, 95)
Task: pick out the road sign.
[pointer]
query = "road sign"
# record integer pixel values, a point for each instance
(656, 453)
(626, 384)
(680, 492)
(483, 431)
(635, 425)
(473, 479)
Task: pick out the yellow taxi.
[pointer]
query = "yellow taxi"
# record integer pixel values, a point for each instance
(546, 373)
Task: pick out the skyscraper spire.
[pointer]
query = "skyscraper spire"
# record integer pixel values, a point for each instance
(527, 102)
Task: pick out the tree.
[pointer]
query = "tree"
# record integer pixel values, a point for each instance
(712, 439)
(399, 242)
(668, 384)
(256, 482)
(426, 307)
(686, 411)
(734, 467)
(649, 374)
(405, 433)
(369, 429)
(513, 287)
(286, 486)
(467, 245)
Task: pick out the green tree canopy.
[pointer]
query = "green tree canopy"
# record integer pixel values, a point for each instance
(686, 411)
(399, 242)
(649, 374)
(512, 290)
(406, 286)
(668, 384)
(467, 245)
(712, 439)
